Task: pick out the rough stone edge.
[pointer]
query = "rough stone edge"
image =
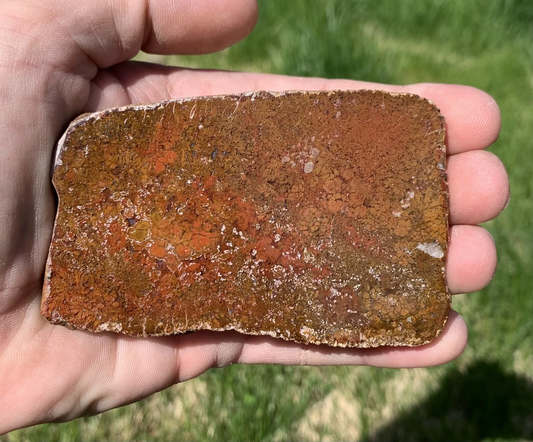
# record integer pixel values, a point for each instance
(363, 343)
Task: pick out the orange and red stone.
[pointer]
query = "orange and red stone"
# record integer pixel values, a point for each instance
(316, 217)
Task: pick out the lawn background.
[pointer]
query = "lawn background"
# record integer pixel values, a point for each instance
(487, 394)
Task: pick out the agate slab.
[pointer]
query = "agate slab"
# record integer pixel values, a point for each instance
(316, 217)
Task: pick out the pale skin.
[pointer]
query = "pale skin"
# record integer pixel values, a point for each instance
(59, 58)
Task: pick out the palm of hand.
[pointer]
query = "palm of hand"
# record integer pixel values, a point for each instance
(55, 69)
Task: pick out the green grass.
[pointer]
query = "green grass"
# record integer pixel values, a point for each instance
(487, 394)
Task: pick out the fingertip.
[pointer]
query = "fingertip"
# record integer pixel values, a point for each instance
(491, 116)
(235, 21)
(249, 21)
(479, 187)
(471, 260)
(482, 121)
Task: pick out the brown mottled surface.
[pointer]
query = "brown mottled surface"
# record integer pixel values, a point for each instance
(314, 217)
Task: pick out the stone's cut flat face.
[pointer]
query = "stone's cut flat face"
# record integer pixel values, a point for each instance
(316, 217)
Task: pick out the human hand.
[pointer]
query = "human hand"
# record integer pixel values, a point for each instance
(60, 58)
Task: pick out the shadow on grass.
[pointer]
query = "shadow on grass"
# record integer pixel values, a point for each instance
(483, 402)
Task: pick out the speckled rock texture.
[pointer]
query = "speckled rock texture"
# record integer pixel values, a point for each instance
(316, 217)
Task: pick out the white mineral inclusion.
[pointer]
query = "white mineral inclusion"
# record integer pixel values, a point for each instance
(110, 326)
(433, 249)
(306, 332)
(308, 168)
